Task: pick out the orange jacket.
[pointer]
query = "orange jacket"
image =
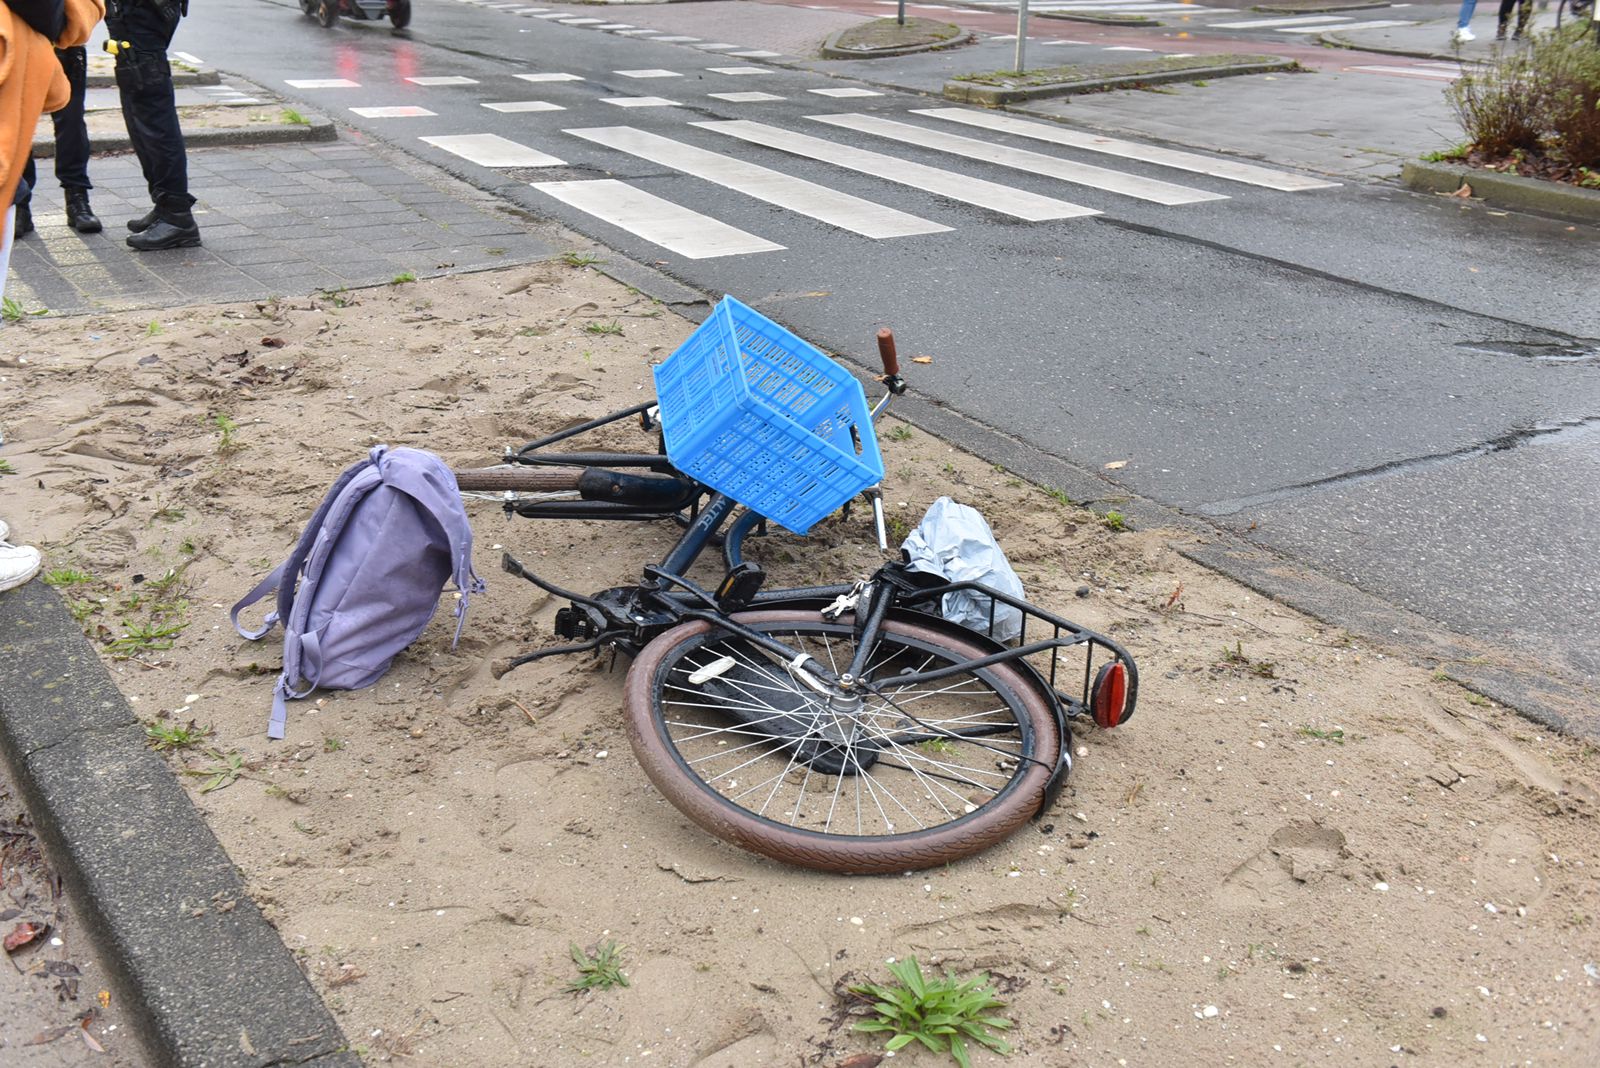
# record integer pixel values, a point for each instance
(32, 82)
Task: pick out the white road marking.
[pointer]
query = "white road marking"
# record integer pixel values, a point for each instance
(449, 79)
(661, 222)
(678, 39)
(786, 191)
(654, 72)
(740, 70)
(635, 33)
(550, 77)
(1128, 185)
(755, 53)
(615, 26)
(641, 102)
(844, 92)
(1413, 72)
(1328, 25)
(322, 83)
(1018, 203)
(492, 150)
(190, 58)
(1266, 24)
(1232, 170)
(1127, 48)
(516, 107)
(719, 47)
(555, 15)
(402, 112)
(745, 98)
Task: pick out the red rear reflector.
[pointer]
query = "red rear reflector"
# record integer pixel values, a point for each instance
(1110, 698)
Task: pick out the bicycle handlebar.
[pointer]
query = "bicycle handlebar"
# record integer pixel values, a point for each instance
(886, 353)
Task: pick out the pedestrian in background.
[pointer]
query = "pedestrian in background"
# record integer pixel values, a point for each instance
(31, 83)
(141, 31)
(1464, 32)
(72, 151)
(1524, 16)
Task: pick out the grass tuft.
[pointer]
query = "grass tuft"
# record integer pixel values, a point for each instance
(943, 1014)
(599, 968)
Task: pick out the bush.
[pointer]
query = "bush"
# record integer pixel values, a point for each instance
(1542, 101)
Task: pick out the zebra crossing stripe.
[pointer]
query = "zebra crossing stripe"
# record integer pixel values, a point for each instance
(580, 21)
(740, 70)
(321, 83)
(845, 91)
(786, 191)
(447, 79)
(1128, 185)
(1232, 170)
(654, 72)
(745, 98)
(492, 150)
(640, 102)
(1412, 72)
(1341, 26)
(660, 222)
(756, 53)
(1018, 203)
(549, 76)
(403, 111)
(1268, 24)
(516, 107)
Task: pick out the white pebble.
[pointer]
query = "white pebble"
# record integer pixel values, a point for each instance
(1209, 1011)
(1381, 887)
(856, 920)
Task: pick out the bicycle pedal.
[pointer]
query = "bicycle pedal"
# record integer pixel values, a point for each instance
(739, 587)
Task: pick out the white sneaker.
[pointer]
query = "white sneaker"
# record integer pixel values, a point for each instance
(18, 564)
(1463, 35)
(4, 530)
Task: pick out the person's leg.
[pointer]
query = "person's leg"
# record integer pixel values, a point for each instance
(1467, 8)
(72, 144)
(22, 225)
(1524, 17)
(152, 118)
(1505, 19)
(6, 219)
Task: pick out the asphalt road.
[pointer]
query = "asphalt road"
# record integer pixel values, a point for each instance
(1385, 387)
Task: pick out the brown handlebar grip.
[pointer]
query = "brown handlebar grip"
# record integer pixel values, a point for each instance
(891, 362)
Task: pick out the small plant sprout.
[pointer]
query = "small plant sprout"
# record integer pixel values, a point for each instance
(937, 746)
(6, 468)
(294, 118)
(599, 968)
(1114, 520)
(614, 327)
(574, 258)
(899, 433)
(12, 312)
(162, 735)
(228, 441)
(66, 576)
(403, 277)
(153, 329)
(943, 1014)
(330, 744)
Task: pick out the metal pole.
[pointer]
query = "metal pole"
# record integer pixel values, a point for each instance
(1022, 33)
(901, 16)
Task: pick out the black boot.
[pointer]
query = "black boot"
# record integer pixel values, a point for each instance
(143, 222)
(80, 216)
(171, 229)
(24, 223)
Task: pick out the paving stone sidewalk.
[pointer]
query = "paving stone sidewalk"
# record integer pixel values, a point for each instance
(276, 220)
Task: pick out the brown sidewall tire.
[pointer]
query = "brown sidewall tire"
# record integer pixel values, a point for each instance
(519, 479)
(835, 853)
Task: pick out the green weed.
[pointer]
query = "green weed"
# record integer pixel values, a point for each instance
(937, 746)
(66, 576)
(612, 328)
(1336, 736)
(144, 638)
(175, 735)
(229, 430)
(153, 329)
(403, 277)
(1057, 495)
(330, 744)
(1114, 520)
(899, 433)
(220, 776)
(6, 468)
(294, 118)
(599, 968)
(942, 1014)
(574, 258)
(12, 312)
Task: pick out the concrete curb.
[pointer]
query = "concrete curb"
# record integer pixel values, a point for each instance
(180, 78)
(998, 96)
(1097, 20)
(1319, 9)
(202, 972)
(1333, 40)
(830, 47)
(317, 129)
(1505, 190)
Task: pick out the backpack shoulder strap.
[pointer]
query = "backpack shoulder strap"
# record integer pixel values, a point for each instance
(285, 576)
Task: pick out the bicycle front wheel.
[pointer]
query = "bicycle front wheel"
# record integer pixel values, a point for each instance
(921, 774)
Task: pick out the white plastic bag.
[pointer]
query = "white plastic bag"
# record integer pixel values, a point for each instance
(955, 541)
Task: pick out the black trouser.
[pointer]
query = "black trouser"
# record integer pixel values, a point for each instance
(72, 133)
(144, 81)
(1524, 14)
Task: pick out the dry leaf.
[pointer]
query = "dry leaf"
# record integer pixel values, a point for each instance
(105, 999)
(1464, 192)
(21, 935)
(1116, 465)
(89, 1039)
(273, 342)
(862, 1060)
(922, 359)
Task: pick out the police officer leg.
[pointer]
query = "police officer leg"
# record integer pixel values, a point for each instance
(72, 144)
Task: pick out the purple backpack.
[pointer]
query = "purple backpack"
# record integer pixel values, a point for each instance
(369, 568)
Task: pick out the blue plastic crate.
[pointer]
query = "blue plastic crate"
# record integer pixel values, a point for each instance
(755, 412)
